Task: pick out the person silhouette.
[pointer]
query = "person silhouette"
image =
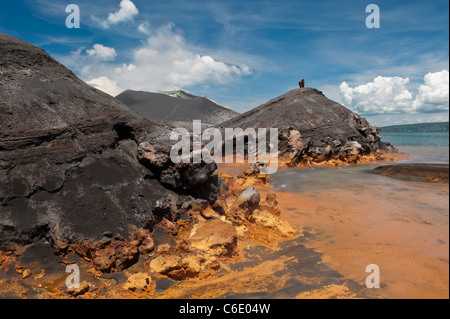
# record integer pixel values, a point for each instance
(301, 83)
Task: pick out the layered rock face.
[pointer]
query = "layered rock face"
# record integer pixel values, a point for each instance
(77, 164)
(310, 126)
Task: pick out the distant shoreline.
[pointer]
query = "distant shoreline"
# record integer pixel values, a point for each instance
(418, 127)
(416, 138)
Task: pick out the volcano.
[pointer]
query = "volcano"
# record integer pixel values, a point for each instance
(313, 127)
(176, 109)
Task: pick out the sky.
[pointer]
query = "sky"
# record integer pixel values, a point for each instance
(243, 53)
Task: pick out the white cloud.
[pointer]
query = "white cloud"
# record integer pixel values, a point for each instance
(126, 12)
(390, 95)
(144, 28)
(106, 85)
(383, 95)
(434, 94)
(101, 52)
(164, 62)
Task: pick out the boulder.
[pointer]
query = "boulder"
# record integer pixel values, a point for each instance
(243, 206)
(117, 256)
(169, 226)
(148, 155)
(139, 283)
(270, 204)
(214, 237)
(253, 176)
(180, 266)
(350, 151)
(250, 196)
(265, 219)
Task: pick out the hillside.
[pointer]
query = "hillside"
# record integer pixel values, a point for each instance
(419, 127)
(313, 126)
(177, 109)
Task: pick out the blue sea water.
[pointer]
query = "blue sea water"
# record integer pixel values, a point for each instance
(416, 138)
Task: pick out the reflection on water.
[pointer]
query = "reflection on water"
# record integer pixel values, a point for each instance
(362, 219)
(321, 178)
(426, 154)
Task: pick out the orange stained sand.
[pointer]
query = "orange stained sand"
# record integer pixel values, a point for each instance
(249, 280)
(408, 243)
(405, 233)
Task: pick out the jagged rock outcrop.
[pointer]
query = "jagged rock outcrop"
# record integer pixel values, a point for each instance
(77, 164)
(310, 126)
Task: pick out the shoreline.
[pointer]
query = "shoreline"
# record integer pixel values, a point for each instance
(319, 261)
(353, 228)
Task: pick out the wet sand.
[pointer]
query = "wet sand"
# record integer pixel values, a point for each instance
(357, 218)
(361, 219)
(408, 240)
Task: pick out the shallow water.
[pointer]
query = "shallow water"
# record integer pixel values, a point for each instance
(416, 138)
(361, 219)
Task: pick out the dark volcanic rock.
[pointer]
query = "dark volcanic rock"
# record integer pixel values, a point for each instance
(311, 125)
(69, 167)
(178, 109)
(417, 172)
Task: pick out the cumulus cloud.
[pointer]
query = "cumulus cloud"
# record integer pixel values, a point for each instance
(101, 52)
(390, 95)
(383, 95)
(126, 12)
(434, 94)
(164, 62)
(106, 85)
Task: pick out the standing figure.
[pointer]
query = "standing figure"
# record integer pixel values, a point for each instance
(302, 83)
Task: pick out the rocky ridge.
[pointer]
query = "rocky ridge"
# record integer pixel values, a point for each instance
(314, 129)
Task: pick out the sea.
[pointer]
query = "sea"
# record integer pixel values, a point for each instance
(416, 138)
(360, 219)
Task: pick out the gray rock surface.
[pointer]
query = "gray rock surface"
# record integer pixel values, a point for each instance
(311, 125)
(177, 109)
(69, 167)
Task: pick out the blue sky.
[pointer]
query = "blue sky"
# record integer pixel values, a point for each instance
(244, 53)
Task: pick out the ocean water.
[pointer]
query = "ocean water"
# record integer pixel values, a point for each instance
(416, 138)
(422, 147)
(361, 219)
